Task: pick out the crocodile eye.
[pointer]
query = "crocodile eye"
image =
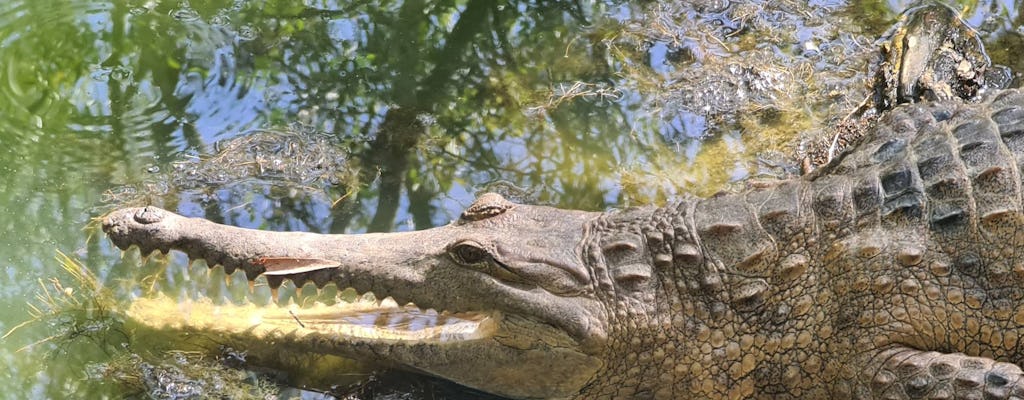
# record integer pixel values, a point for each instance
(468, 254)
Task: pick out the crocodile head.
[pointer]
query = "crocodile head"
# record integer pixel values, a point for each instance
(505, 296)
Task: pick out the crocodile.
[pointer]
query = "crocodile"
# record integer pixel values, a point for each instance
(896, 271)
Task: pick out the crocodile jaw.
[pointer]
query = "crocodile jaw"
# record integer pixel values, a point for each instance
(539, 345)
(489, 351)
(359, 321)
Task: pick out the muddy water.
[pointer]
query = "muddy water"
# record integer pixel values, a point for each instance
(329, 117)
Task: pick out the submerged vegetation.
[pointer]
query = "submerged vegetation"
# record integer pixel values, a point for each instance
(81, 309)
(85, 318)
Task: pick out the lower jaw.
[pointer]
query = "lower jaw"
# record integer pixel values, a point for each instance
(343, 321)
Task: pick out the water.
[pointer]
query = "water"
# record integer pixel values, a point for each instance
(394, 117)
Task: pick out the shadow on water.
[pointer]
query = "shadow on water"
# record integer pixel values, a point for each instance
(335, 116)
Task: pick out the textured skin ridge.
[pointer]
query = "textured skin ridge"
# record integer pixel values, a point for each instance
(867, 279)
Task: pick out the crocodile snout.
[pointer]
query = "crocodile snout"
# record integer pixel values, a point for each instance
(133, 224)
(123, 219)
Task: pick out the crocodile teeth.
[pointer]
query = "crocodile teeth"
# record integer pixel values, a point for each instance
(327, 322)
(388, 302)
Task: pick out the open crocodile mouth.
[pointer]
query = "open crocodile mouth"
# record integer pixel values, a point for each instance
(518, 342)
(367, 320)
(384, 311)
(366, 317)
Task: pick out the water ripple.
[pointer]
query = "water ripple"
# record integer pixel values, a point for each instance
(158, 77)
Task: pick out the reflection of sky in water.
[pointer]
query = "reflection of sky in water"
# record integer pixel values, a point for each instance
(980, 9)
(659, 61)
(343, 30)
(223, 103)
(685, 125)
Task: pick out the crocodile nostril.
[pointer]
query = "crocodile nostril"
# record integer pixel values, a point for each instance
(149, 215)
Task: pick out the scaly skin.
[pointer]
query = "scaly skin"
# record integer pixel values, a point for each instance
(895, 272)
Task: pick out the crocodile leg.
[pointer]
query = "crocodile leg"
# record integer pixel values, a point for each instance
(899, 372)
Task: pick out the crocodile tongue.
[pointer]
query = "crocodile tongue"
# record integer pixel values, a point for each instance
(364, 320)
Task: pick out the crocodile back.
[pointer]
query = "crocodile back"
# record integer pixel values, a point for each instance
(915, 237)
